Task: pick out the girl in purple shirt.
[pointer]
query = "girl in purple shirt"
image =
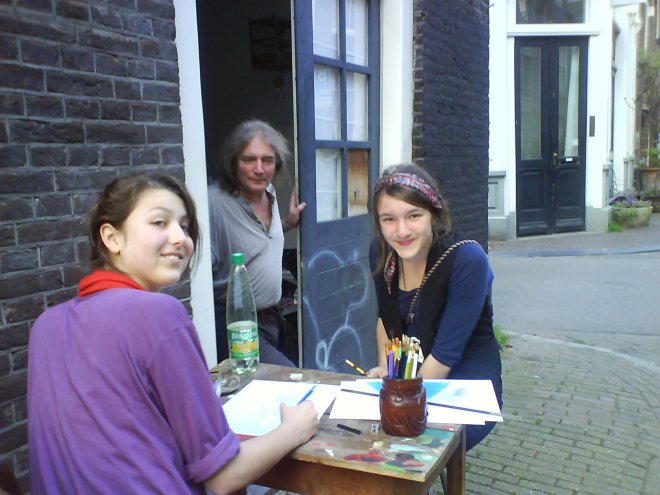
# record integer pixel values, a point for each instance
(119, 396)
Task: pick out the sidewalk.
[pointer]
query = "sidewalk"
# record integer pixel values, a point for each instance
(578, 418)
(640, 240)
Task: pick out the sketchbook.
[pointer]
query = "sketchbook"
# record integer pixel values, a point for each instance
(255, 410)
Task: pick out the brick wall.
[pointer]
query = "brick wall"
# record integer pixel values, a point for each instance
(88, 89)
(450, 127)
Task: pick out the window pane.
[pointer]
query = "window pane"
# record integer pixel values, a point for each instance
(326, 103)
(328, 185)
(356, 31)
(549, 11)
(569, 88)
(530, 102)
(325, 19)
(356, 103)
(358, 182)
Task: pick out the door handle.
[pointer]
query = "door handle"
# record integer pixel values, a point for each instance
(554, 163)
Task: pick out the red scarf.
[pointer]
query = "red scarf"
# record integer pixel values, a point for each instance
(103, 279)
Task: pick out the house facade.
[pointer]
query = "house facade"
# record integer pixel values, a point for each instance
(564, 113)
(91, 89)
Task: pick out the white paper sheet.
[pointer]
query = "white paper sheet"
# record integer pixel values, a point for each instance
(461, 395)
(255, 410)
(359, 400)
(360, 405)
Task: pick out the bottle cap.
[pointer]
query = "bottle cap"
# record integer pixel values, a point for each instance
(237, 258)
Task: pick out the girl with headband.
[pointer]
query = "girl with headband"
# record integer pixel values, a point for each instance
(433, 285)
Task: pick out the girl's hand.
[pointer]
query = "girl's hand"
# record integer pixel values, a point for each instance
(302, 419)
(377, 372)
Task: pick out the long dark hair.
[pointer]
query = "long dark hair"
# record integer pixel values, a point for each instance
(440, 217)
(240, 137)
(118, 200)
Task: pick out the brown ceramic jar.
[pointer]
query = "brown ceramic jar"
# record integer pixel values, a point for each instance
(403, 406)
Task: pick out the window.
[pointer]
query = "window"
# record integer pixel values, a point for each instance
(342, 85)
(550, 11)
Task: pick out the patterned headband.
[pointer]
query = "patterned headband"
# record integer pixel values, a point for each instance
(414, 182)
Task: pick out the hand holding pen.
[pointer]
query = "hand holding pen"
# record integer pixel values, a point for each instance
(377, 372)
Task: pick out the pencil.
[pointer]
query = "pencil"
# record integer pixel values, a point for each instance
(306, 396)
(355, 367)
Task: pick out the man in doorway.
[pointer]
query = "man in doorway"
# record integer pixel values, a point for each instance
(244, 217)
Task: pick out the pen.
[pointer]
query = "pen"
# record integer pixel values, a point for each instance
(306, 396)
(355, 367)
(348, 428)
(460, 408)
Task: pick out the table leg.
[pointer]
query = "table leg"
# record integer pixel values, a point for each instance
(456, 469)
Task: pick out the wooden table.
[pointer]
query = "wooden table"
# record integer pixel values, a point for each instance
(338, 461)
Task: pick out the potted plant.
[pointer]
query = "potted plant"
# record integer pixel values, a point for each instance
(652, 196)
(627, 211)
(648, 168)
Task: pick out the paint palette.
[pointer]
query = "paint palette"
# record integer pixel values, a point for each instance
(410, 457)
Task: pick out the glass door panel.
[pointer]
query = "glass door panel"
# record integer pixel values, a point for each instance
(569, 90)
(358, 182)
(327, 108)
(325, 19)
(328, 182)
(357, 106)
(530, 102)
(356, 32)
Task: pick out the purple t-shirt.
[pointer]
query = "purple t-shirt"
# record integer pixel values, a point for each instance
(120, 399)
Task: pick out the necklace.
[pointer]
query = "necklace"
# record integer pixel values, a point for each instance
(411, 315)
(404, 282)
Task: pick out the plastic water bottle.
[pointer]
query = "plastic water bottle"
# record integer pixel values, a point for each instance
(242, 330)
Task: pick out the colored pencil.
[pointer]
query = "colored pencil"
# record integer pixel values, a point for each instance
(355, 367)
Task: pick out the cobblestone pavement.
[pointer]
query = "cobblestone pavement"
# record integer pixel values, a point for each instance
(578, 419)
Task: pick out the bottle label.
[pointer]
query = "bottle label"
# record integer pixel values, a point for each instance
(243, 339)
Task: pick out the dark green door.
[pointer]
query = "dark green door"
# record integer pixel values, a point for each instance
(551, 75)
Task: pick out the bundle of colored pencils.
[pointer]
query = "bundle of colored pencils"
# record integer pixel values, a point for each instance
(403, 357)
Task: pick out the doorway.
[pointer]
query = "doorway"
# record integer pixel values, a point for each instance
(551, 76)
(246, 73)
(327, 105)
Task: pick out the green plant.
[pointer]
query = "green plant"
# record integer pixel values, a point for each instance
(500, 336)
(652, 195)
(628, 202)
(650, 158)
(632, 203)
(653, 192)
(649, 94)
(614, 227)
